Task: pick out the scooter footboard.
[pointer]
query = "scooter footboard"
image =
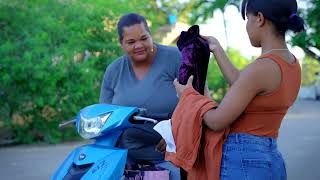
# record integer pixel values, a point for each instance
(93, 162)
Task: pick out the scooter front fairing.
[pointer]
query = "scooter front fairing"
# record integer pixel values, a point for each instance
(93, 162)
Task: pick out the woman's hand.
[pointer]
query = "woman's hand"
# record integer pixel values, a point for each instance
(213, 43)
(161, 146)
(180, 88)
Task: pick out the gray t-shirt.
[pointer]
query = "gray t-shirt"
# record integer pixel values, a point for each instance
(155, 92)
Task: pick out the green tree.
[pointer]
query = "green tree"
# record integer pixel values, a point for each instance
(309, 68)
(198, 11)
(309, 40)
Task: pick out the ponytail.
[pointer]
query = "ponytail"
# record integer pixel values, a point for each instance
(295, 23)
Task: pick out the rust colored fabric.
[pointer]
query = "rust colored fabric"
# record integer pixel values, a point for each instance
(199, 149)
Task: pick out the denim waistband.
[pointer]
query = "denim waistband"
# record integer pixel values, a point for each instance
(243, 138)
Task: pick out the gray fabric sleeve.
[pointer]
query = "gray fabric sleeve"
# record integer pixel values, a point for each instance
(106, 91)
(178, 63)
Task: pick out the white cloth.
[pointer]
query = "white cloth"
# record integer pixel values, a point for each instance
(165, 130)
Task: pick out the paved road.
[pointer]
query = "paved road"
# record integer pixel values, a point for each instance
(299, 143)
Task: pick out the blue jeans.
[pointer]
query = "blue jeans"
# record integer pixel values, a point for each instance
(249, 157)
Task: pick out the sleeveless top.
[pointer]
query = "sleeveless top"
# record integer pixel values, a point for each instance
(264, 114)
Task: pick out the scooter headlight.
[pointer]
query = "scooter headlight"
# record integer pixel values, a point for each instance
(91, 127)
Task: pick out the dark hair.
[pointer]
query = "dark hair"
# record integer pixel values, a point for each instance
(283, 13)
(128, 20)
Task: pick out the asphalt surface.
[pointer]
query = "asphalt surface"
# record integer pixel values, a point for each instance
(299, 142)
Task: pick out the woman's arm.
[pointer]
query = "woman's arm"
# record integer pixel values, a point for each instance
(229, 71)
(251, 82)
(106, 92)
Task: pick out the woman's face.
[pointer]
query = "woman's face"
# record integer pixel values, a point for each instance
(252, 29)
(137, 42)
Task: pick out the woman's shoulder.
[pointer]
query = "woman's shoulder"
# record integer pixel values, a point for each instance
(168, 49)
(263, 65)
(169, 53)
(116, 64)
(262, 73)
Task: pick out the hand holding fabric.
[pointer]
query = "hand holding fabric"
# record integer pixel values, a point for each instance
(180, 88)
(214, 44)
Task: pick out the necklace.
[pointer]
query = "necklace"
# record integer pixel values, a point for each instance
(275, 50)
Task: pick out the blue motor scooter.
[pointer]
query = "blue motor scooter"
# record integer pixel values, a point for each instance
(104, 123)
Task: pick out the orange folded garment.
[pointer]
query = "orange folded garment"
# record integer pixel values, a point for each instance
(198, 149)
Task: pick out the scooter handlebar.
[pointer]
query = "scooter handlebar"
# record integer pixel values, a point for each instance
(67, 123)
(140, 118)
(157, 116)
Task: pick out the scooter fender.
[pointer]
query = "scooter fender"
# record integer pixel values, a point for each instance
(106, 163)
(64, 167)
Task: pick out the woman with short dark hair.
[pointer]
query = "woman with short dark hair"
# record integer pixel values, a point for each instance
(142, 77)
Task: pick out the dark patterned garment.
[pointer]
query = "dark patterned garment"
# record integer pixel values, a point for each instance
(195, 58)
